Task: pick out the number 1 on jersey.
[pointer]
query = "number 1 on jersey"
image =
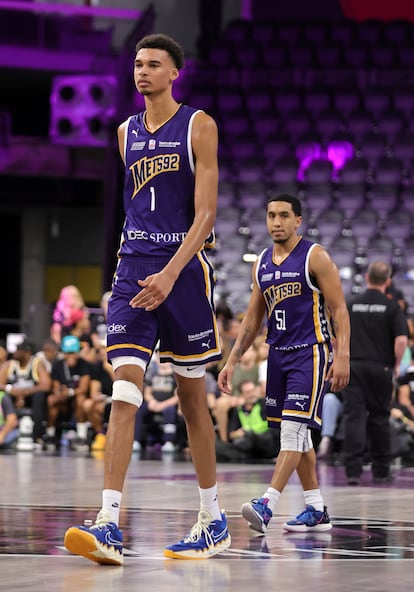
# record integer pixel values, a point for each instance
(152, 192)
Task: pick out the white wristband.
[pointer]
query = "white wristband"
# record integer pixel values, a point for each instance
(8, 388)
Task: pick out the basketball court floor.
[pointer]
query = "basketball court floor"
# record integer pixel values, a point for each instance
(370, 548)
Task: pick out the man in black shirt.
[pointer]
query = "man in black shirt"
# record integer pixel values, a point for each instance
(379, 336)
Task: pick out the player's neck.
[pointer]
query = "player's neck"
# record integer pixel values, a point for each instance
(159, 112)
(282, 250)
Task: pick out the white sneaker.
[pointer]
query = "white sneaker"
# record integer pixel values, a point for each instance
(168, 447)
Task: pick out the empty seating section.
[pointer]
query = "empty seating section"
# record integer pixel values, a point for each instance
(324, 110)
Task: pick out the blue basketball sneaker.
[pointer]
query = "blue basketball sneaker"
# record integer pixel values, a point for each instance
(257, 513)
(207, 538)
(101, 542)
(309, 520)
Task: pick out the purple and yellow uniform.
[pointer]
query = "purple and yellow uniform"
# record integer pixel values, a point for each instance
(159, 210)
(299, 333)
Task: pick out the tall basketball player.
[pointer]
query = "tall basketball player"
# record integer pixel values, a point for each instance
(162, 290)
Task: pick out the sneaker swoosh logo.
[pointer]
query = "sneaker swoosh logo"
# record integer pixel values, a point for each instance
(218, 536)
(110, 541)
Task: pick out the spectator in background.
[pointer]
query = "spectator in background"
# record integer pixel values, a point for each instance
(161, 403)
(49, 353)
(98, 405)
(8, 421)
(98, 322)
(248, 433)
(332, 410)
(26, 379)
(70, 387)
(70, 314)
(246, 369)
(379, 337)
(4, 354)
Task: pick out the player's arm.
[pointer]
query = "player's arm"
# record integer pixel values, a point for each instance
(326, 273)
(121, 139)
(248, 330)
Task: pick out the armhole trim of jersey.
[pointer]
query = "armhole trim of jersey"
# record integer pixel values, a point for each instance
(126, 136)
(307, 274)
(259, 260)
(189, 145)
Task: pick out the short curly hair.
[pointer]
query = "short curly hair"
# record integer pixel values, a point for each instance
(161, 41)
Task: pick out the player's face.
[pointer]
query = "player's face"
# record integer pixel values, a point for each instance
(154, 71)
(282, 222)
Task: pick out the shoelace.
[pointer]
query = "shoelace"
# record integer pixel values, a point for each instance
(102, 519)
(200, 528)
(308, 511)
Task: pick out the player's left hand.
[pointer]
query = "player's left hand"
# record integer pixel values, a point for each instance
(155, 289)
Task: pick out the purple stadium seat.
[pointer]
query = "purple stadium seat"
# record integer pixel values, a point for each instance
(266, 124)
(319, 172)
(289, 32)
(297, 123)
(354, 171)
(389, 171)
(301, 56)
(316, 33)
(343, 31)
(359, 122)
(383, 56)
(259, 100)
(238, 32)
(262, 32)
(346, 100)
(329, 123)
(376, 99)
(403, 100)
(400, 226)
(356, 55)
(317, 100)
(384, 198)
(406, 54)
(287, 100)
(364, 226)
(403, 148)
(274, 56)
(329, 55)
(391, 123)
(229, 100)
(397, 31)
(370, 32)
(235, 124)
(373, 146)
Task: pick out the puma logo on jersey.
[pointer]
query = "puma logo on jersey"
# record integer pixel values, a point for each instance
(301, 405)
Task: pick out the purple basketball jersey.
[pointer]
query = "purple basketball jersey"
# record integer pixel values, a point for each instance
(296, 310)
(159, 185)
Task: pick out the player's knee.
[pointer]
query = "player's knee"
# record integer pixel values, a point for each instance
(128, 392)
(295, 436)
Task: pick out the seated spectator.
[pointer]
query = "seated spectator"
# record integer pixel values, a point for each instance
(97, 407)
(4, 354)
(70, 315)
(332, 409)
(26, 379)
(246, 369)
(9, 422)
(404, 395)
(70, 387)
(49, 353)
(158, 411)
(249, 437)
(98, 323)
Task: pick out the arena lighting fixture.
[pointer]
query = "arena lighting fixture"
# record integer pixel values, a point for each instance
(82, 108)
(249, 257)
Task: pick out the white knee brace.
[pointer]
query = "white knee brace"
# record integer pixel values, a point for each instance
(295, 436)
(123, 390)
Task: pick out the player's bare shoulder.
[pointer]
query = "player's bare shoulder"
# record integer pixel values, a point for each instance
(204, 126)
